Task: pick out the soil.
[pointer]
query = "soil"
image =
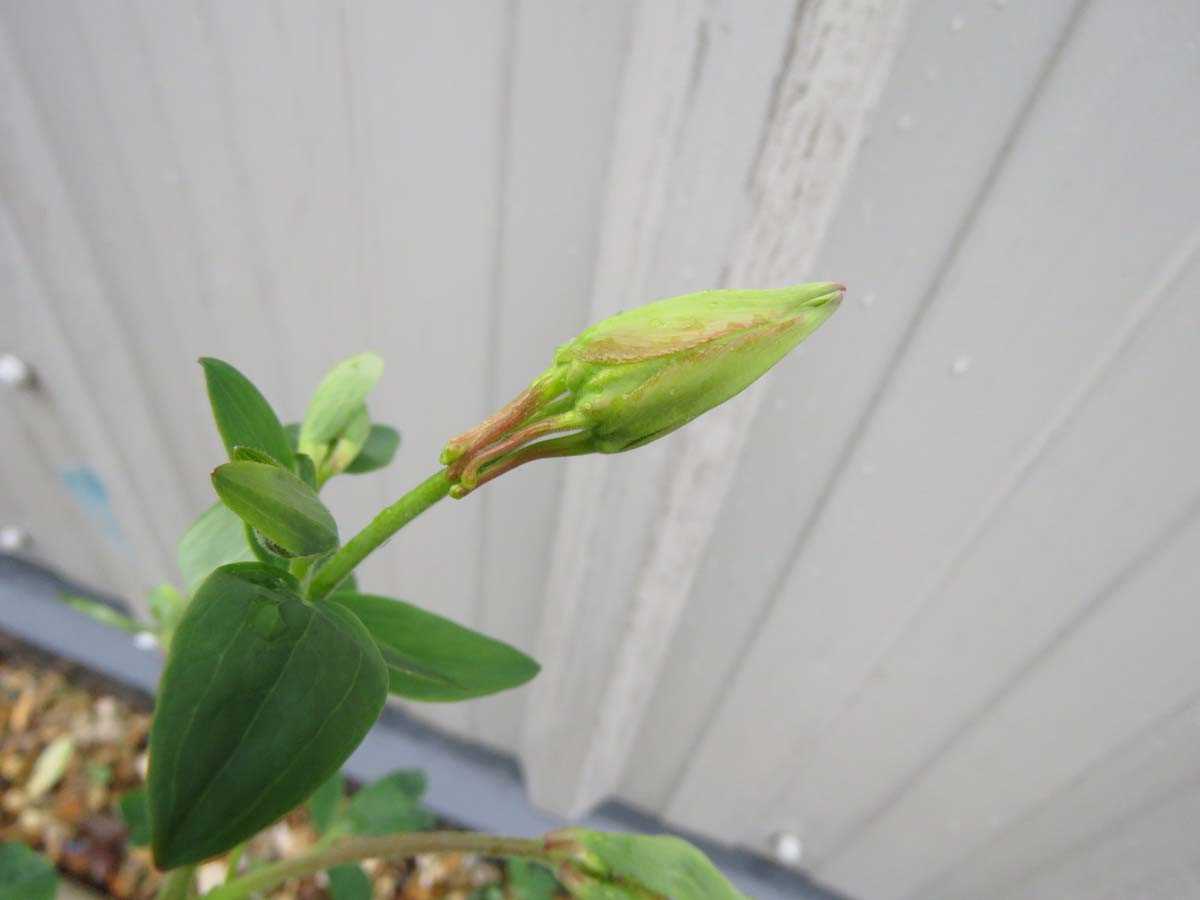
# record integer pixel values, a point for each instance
(69, 813)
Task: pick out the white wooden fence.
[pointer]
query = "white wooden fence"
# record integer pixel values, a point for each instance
(928, 598)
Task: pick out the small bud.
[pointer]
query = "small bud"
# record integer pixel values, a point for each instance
(641, 374)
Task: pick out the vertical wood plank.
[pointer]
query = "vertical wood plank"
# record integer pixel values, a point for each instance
(925, 502)
(558, 119)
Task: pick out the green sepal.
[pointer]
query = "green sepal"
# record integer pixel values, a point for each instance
(243, 415)
(215, 539)
(282, 508)
(378, 450)
(262, 700)
(432, 659)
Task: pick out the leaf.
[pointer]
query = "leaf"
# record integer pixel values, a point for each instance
(349, 882)
(306, 470)
(263, 698)
(50, 766)
(336, 402)
(529, 881)
(377, 452)
(135, 812)
(249, 454)
(215, 539)
(349, 442)
(325, 802)
(244, 417)
(24, 875)
(389, 805)
(102, 612)
(167, 606)
(602, 865)
(283, 509)
(433, 659)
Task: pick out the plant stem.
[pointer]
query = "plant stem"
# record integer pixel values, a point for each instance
(378, 530)
(391, 845)
(177, 884)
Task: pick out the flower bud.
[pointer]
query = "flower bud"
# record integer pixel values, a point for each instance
(641, 374)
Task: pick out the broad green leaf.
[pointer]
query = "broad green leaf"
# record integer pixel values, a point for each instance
(135, 811)
(325, 803)
(250, 454)
(336, 402)
(244, 417)
(608, 866)
(377, 452)
(433, 659)
(24, 875)
(349, 882)
(167, 606)
(263, 698)
(215, 539)
(102, 612)
(528, 880)
(50, 766)
(389, 805)
(283, 509)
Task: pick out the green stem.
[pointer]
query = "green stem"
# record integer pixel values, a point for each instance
(378, 530)
(391, 845)
(177, 884)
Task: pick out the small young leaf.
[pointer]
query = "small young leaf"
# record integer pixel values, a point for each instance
(325, 802)
(284, 509)
(263, 698)
(250, 454)
(336, 402)
(349, 882)
(215, 539)
(349, 443)
(598, 864)
(528, 880)
(433, 659)
(135, 811)
(264, 551)
(24, 875)
(166, 605)
(389, 805)
(102, 612)
(243, 415)
(377, 452)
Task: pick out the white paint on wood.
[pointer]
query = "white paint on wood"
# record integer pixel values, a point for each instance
(889, 238)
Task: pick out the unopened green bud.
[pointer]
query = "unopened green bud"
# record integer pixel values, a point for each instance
(641, 374)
